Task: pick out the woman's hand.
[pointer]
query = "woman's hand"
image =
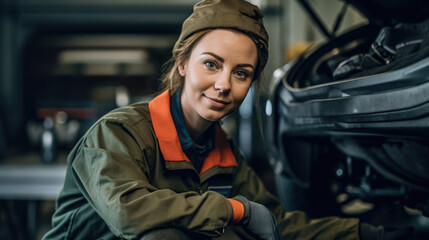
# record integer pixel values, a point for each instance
(258, 220)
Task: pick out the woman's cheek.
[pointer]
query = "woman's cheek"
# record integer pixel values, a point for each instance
(241, 95)
(199, 80)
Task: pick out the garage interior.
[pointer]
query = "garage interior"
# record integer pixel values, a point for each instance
(64, 64)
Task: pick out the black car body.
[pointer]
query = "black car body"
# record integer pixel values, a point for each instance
(343, 131)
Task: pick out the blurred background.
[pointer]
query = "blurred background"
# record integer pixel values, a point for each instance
(63, 64)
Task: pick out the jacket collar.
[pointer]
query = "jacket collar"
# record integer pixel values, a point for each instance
(221, 155)
(187, 143)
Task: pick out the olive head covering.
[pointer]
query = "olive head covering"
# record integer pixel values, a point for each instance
(236, 14)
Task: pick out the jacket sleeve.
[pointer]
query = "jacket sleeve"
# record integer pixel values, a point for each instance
(295, 224)
(111, 170)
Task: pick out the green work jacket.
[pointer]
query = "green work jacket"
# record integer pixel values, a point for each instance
(128, 175)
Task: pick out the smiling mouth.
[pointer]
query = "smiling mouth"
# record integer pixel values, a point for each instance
(217, 103)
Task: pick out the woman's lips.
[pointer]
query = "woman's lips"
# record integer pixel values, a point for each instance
(217, 103)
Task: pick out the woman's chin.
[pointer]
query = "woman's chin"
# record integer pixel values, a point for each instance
(214, 117)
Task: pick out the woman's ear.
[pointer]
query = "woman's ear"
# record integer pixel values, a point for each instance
(182, 68)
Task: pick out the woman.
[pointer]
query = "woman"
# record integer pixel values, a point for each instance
(165, 169)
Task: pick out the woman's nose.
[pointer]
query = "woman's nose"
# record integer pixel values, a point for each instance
(223, 83)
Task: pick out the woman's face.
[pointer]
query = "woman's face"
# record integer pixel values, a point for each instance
(218, 75)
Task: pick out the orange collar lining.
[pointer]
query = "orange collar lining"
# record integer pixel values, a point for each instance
(166, 133)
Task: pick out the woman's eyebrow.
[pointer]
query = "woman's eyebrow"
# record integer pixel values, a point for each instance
(214, 55)
(246, 65)
(222, 60)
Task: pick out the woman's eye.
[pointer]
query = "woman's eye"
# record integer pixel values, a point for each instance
(210, 65)
(242, 74)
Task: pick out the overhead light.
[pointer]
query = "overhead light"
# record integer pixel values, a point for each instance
(103, 56)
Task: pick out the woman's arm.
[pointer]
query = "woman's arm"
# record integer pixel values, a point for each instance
(112, 170)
